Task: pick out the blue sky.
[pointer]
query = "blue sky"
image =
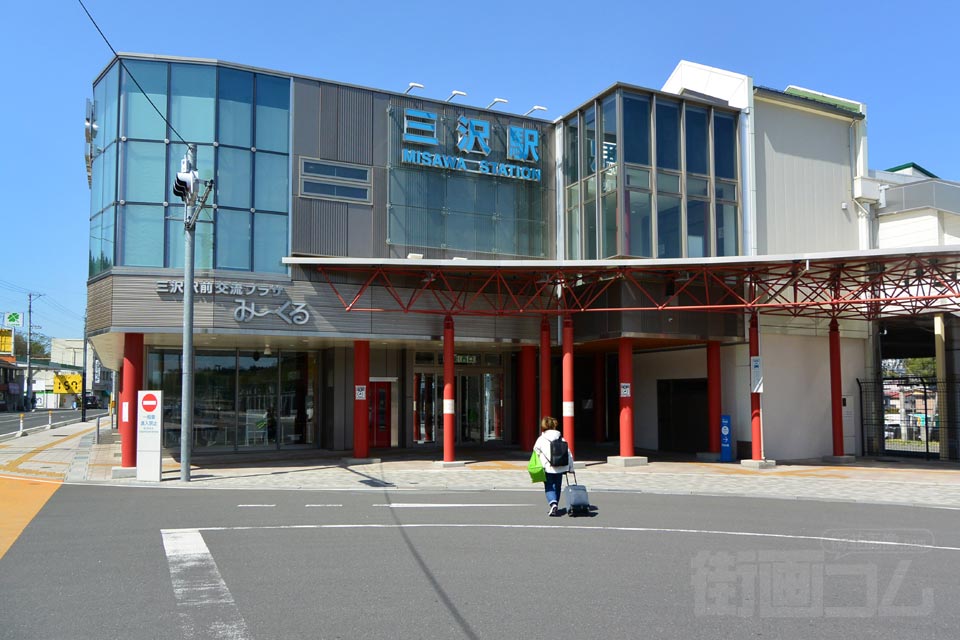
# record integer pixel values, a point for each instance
(898, 58)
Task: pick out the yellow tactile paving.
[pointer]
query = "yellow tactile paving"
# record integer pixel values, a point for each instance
(20, 501)
(14, 466)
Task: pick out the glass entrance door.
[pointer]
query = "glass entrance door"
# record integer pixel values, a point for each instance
(480, 407)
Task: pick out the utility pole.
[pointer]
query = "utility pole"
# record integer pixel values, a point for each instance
(83, 376)
(28, 405)
(185, 186)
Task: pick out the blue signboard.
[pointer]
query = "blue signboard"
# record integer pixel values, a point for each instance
(726, 450)
(473, 139)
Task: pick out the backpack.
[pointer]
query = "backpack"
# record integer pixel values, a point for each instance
(559, 453)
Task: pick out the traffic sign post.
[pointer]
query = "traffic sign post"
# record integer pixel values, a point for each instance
(149, 430)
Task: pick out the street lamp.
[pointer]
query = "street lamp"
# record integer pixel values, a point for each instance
(454, 94)
(535, 107)
(412, 86)
(495, 101)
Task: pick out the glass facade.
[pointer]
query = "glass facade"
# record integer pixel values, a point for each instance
(243, 399)
(673, 192)
(240, 122)
(459, 210)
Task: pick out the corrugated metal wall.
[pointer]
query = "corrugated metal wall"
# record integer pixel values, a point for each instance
(803, 177)
(100, 305)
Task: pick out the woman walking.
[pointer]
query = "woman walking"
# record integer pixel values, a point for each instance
(554, 472)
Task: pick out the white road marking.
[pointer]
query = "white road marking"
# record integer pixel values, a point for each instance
(323, 505)
(203, 599)
(431, 505)
(562, 527)
(255, 505)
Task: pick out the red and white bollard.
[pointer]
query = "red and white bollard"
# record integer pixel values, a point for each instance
(49, 419)
(21, 433)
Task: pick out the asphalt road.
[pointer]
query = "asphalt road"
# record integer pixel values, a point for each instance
(10, 420)
(143, 563)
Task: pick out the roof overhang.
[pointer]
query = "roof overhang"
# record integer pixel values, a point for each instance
(864, 284)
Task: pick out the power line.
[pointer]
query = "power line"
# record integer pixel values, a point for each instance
(124, 67)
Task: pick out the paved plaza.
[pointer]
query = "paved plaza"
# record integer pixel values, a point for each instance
(71, 453)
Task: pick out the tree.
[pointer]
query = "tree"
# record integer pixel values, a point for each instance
(923, 367)
(39, 345)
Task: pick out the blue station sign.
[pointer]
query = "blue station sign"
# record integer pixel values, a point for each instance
(473, 139)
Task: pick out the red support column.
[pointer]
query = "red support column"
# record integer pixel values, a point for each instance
(755, 426)
(568, 403)
(544, 368)
(713, 394)
(131, 377)
(449, 402)
(528, 396)
(361, 398)
(836, 388)
(625, 365)
(599, 398)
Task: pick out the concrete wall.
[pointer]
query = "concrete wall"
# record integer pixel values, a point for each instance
(912, 229)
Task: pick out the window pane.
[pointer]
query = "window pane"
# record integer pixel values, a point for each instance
(698, 240)
(109, 176)
(573, 222)
(335, 190)
(192, 102)
(236, 107)
(668, 227)
(609, 113)
(726, 190)
(636, 129)
(96, 184)
(668, 135)
(273, 109)
(94, 255)
(590, 219)
(697, 140)
(143, 164)
(608, 240)
(609, 180)
(589, 163)
(142, 241)
(202, 242)
(234, 177)
(637, 226)
(725, 145)
(107, 226)
(269, 242)
(204, 166)
(336, 171)
(138, 118)
(105, 107)
(271, 191)
(639, 178)
(668, 182)
(233, 239)
(727, 230)
(571, 137)
(698, 187)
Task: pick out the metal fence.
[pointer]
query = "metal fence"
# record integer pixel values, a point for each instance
(911, 416)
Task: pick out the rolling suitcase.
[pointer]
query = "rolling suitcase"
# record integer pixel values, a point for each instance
(578, 504)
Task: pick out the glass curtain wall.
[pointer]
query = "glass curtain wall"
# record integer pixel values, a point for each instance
(668, 178)
(243, 400)
(239, 121)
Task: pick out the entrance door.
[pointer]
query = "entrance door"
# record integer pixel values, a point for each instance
(682, 415)
(480, 407)
(380, 426)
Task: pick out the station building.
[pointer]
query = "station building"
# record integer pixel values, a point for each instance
(645, 264)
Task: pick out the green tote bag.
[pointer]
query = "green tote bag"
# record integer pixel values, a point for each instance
(535, 468)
